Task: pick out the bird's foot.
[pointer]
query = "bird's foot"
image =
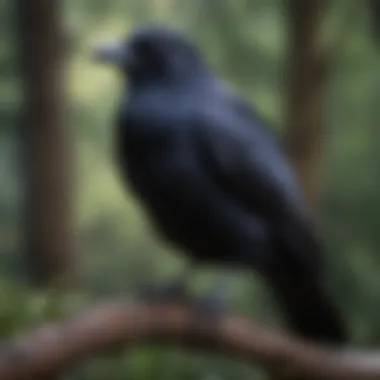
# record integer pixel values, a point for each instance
(208, 311)
(210, 306)
(174, 292)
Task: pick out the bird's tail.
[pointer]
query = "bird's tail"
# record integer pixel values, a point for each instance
(308, 310)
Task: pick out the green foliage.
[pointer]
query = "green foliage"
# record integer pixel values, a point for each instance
(22, 309)
(245, 41)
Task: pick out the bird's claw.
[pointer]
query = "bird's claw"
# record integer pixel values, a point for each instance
(210, 306)
(173, 293)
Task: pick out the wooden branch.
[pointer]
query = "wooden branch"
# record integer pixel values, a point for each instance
(55, 347)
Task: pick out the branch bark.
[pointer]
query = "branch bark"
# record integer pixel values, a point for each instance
(57, 346)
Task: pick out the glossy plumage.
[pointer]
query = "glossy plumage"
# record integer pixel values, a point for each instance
(213, 179)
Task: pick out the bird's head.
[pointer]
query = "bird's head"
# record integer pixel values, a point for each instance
(153, 54)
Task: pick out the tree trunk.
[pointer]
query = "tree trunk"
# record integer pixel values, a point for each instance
(307, 69)
(46, 142)
(374, 6)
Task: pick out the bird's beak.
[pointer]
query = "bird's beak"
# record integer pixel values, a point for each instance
(115, 52)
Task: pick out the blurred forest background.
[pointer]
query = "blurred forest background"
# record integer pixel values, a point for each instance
(246, 43)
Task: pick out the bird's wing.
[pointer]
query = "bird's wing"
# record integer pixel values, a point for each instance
(243, 157)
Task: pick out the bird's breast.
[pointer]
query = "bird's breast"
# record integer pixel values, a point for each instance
(162, 176)
(172, 192)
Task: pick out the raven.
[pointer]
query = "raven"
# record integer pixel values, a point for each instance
(212, 177)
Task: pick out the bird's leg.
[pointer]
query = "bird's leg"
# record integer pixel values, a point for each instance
(174, 291)
(209, 308)
(216, 302)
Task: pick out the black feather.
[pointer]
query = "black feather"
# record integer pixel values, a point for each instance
(214, 180)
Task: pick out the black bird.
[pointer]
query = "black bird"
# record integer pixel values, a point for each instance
(212, 176)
